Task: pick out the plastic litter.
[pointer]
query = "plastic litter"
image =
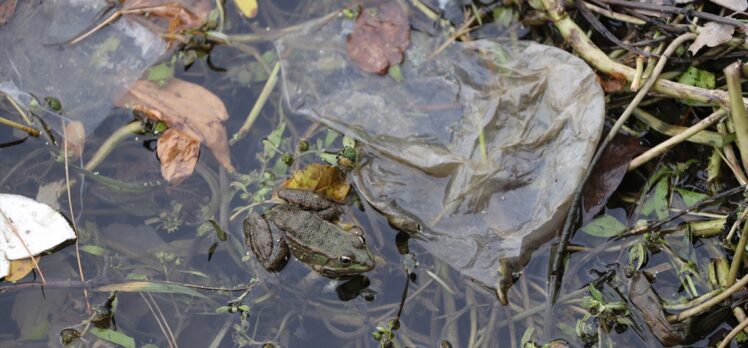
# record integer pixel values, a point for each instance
(85, 77)
(482, 145)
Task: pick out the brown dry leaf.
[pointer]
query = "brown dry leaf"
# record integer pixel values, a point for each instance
(19, 269)
(608, 174)
(321, 178)
(75, 136)
(7, 8)
(168, 15)
(735, 5)
(178, 154)
(611, 85)
(712, 35)
(187, 107)
(379, 37)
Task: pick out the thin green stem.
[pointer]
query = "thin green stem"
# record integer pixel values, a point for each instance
(667, 144)
(586, 49)
(259, 103)
(739, 251)
(19, 109)
(29, 130)
(737, 109)
(615, 15)
(111, 142)
(704, 137)
(708, 304)
(734, 332)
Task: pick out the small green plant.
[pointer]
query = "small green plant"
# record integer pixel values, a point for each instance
(169, 220)
(605, 314)
(386, 335)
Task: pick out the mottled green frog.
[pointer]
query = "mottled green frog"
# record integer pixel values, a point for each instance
(302, 228)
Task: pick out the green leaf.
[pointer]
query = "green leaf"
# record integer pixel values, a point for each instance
(94, 250)
(137, 276)
(741, 337)
(657, 203)
(115, 337)
(147, 286)
(637, 256)
(349, 142)
(503, 16)
(604, 226)
(160, 127)
(330, 138)
(395, 73)
(194, 273)
(690, 197)
(220, 233)
(596, 294)
(273, 140)
(329, 158)
(161, 73)
(526, 337)
(699, 78)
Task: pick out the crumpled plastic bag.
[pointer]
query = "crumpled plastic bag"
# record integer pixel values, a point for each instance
(85, 77)
(482, 145)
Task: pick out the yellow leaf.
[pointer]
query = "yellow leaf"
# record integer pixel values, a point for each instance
(19, 269)
(324, 179)
(247, 7)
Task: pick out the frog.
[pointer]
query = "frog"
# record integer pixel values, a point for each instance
(303, 226)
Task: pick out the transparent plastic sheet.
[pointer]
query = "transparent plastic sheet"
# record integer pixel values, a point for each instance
(86, 77)
(483, 144)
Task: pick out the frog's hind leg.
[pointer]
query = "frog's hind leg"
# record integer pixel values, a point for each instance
(266, 242)
(312, 202)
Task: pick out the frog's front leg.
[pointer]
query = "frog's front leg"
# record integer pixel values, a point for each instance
(312, 202)
(266, 241)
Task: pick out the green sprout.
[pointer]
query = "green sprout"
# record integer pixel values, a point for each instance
(386, 336)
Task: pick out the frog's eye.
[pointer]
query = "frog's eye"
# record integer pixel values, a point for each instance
(345, 260)
(356, 231)
(360, 243)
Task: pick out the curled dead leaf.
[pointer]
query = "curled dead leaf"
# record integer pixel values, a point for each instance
(187, 107)
(612, 85)
(379, 37)
(712, 35)
(75, 136)
(178, 153)
(608, 174)
(735, 5)
(168, 16)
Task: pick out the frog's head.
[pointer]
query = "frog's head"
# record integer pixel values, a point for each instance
(355, 258)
